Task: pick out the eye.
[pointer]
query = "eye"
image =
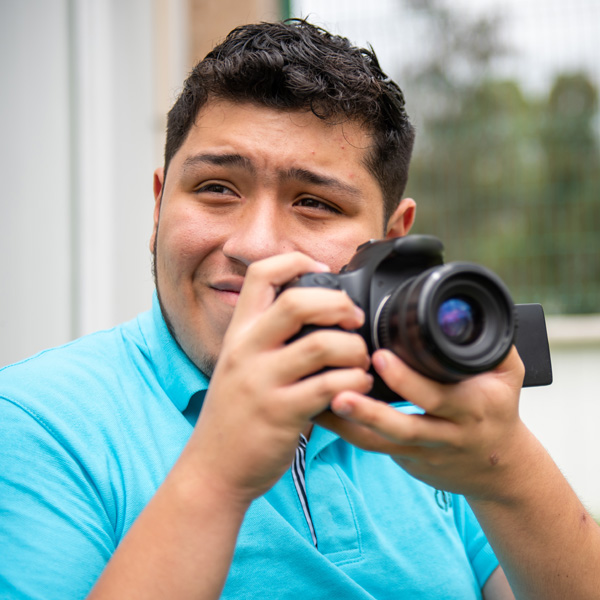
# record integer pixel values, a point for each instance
(213, 188)
(315, 204)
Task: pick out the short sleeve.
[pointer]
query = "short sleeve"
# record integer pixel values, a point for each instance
(476, 545)
(55, 534)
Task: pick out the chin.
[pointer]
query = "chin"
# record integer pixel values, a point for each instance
(206, 364)
(205, 353)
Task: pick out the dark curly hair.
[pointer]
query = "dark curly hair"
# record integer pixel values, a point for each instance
(295, 65)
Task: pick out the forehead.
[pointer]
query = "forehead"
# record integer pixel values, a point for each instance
(273, 136)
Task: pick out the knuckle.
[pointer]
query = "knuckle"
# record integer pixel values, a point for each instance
(362, 351)
(410, 436)
(316, 346)
(436, 401)
(333, 381)
(232, 356)
(371, 416)
(288, 302)
(279, 265)
(357, 343)
(359, 380)
(257, 270)
(326, 386)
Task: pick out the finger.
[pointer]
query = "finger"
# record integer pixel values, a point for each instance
(411, 385)
(385, 429)
(265, 277)
(354, 433)
(319, 350)
(512, 369)
(315, 393)
(303, 306)
(318, 306)
(456, 400)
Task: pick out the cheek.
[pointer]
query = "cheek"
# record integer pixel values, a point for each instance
(338, 247)
(184, 240)
(335, 253)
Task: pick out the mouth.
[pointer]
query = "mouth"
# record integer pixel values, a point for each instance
(228, 291)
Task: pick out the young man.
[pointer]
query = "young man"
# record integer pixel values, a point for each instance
(286, 150)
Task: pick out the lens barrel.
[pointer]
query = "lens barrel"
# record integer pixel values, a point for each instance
(449, 322)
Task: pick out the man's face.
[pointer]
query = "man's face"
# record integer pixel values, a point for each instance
(248, 183)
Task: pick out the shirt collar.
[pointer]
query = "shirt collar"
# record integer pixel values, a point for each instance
(176, 373)
(319, 439)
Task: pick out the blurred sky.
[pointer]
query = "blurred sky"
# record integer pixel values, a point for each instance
(546, 36)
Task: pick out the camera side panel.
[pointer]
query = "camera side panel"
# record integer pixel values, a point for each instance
(531, 341)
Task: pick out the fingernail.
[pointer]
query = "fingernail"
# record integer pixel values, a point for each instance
(379, 361)
(342, 409)
(360, 315)
(323, 267)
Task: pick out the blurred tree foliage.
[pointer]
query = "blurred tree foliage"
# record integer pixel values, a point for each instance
(505, 180)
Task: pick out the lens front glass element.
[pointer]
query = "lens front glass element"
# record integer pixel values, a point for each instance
(459, 320)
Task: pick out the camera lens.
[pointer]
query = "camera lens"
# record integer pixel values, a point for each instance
(460, 320)
(448, 322)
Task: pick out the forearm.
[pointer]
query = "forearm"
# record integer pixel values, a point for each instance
(471, 441)
(546, 541)
(180, 547)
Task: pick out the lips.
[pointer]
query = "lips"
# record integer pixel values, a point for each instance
(228, 291)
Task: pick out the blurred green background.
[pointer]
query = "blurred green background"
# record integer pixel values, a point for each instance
(506, 172)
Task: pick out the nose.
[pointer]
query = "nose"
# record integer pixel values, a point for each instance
(260, 231)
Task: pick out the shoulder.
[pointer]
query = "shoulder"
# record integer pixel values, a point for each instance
(74, 375)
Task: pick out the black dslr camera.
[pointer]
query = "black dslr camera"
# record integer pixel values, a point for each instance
(447, 321)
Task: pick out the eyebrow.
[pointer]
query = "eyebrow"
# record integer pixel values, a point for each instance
(294, 173)
(230, 160)
(310, 177)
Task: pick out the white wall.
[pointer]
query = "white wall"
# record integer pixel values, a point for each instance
(78, 145)
(113, 147)
(35, 202)
(566, 415)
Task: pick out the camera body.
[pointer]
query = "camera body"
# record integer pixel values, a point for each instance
(447, 321)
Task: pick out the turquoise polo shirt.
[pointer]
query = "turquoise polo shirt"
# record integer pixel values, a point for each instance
(89, 431)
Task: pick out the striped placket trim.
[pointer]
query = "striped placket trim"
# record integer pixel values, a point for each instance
(298, 474)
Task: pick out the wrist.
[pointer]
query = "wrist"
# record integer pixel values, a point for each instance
(513, 474)
(196, 487)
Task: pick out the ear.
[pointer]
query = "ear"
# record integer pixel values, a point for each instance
(159, 179)
(402, 219)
